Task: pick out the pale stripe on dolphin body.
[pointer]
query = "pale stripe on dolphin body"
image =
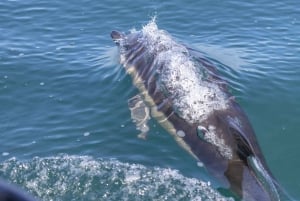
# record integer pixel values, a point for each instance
(140, 84)
(160, 116)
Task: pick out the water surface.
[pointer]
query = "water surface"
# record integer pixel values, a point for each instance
(63, 96)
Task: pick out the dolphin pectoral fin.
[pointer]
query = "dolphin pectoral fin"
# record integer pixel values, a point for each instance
(142, 136)
(140, 115)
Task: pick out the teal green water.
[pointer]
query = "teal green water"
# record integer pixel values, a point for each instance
(65, 127)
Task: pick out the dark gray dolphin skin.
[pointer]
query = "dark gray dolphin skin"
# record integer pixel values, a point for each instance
(191, 101)
(9, 192)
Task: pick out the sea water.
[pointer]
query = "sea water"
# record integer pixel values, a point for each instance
(65, 127)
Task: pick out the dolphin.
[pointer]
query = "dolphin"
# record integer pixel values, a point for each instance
(188, 97)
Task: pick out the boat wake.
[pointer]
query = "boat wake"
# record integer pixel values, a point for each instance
(66, 177)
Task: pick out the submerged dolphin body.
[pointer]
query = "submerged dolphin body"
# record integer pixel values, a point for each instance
(189, 99)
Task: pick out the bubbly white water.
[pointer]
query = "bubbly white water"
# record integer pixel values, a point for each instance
(211, 136)
(68, 177)
(193, 96)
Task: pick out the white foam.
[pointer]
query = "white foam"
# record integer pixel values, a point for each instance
(180, 133)
(67, 177)
(211, 137)
(193, 96)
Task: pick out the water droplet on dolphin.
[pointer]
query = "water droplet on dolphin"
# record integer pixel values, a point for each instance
(180, 133)
(200, 164)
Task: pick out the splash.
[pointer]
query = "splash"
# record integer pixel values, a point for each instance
(67, 177)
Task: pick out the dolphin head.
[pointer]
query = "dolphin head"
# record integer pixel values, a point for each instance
(117, 36)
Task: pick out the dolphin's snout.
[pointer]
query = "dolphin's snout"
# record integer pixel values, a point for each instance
(116, 36)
